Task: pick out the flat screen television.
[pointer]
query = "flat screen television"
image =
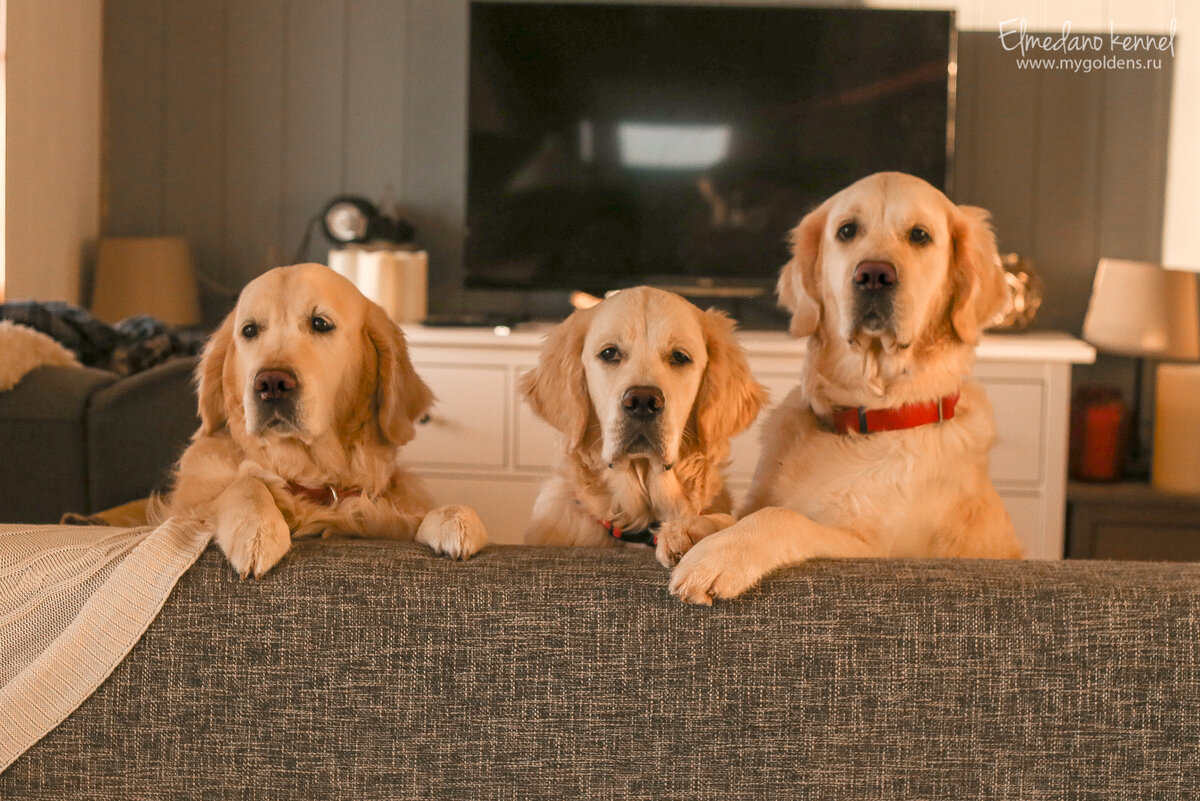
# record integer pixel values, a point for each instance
(613, 145)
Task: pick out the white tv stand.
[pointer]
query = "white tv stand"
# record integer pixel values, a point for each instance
(482, 446)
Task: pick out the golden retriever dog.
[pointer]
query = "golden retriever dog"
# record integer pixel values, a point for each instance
(882, 449)
(306, 395)
(647, 389)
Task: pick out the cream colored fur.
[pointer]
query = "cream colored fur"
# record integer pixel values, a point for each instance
(358, 396)
(23, 349)
(706, 401)
(920, 492)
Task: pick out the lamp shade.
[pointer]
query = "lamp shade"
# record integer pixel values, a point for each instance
(1142, 309)
(146, 275)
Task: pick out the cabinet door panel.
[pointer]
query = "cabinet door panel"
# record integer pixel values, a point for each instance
(1026, 513)
(467, 424)
(535, 444)
(503, 504)
(1019, 410)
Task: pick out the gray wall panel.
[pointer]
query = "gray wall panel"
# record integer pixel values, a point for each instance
(193, 177)
(134, 99)
(375, 95)
(1066, 214)
(314, 115)
(968, 111)
(435, 148)
(1135, 122)
(286, 103)
(1004, 158)
(253, 139)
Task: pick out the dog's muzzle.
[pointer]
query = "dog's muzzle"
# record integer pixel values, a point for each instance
(642, 403)
(874, 297)
(641, 423)
(276, 392)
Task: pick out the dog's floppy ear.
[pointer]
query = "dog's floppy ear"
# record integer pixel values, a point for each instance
(978, 290)
(557, 388)
(400, 394)
(210, 377)
(799, 284)
(729, 398)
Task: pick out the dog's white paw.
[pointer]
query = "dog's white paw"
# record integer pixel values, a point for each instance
(717, 567)
(676, 537)
(255, 545)
(453, 531)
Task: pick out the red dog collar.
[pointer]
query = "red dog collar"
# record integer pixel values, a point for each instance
(327, 495)
(644, 537)
(870, 421)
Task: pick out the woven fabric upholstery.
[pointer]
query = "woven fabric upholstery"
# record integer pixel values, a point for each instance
(366, 669)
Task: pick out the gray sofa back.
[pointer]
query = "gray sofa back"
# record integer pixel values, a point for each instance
(75, 439)
(367, 669)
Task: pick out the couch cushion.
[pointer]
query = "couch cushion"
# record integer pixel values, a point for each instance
(368, 669)
(137, 430)
(43, 425)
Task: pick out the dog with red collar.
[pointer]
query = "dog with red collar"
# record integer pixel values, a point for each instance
(882, 448)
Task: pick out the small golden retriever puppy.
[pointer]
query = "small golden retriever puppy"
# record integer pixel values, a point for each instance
(306, 395)
(647, 390)
(882, 449)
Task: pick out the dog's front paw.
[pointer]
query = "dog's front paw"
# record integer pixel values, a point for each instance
(453, 531)
(717, 567)
(676, 537)
(254, 545)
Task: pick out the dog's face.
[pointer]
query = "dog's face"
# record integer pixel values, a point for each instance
(890, 259)
(643, 357)
(297, 348)
(644, 374)
(305, 353)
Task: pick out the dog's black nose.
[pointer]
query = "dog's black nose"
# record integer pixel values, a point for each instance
(875, 275)
(274, 385)
(642, 401)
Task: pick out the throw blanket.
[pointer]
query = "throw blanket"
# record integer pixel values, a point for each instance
(73, 602)
(130, 346)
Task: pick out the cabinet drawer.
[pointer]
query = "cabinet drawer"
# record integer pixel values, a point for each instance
(466, 427)
(1020, 414)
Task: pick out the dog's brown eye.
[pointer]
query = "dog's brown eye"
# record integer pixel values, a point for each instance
(679, 358)
(918, 235)
(250, 330)
(848, 231)
(321, 325)
(610, 354)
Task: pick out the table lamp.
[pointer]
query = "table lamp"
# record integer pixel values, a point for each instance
(146, 275)
(1143, 310)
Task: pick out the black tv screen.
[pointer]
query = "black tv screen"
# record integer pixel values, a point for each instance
(612, 145)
